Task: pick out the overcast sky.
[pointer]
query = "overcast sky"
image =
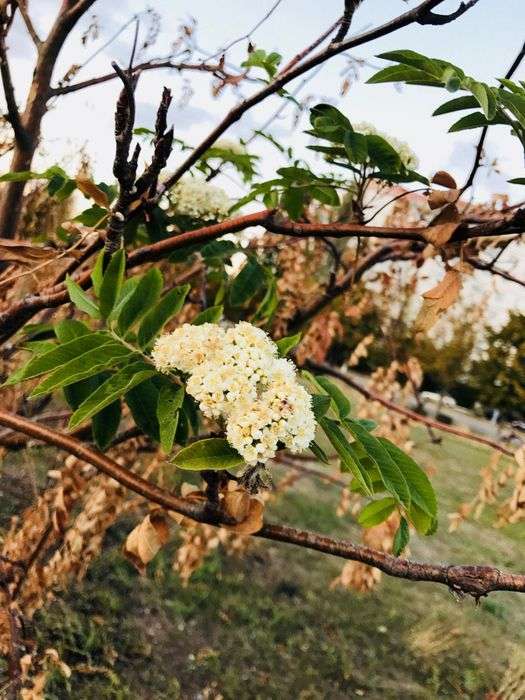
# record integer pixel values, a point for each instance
(483, 42)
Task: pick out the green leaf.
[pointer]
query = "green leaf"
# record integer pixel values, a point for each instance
(39, 347)
(390, 472)
(112, 281)
(58, 356)
(329, 113)
(401, 74)
(515, 103)
(142, 401)
(292, 201)
(356, 147)
(20, 176)
(421, 491)
(212, 453)
(366, 423)
(168, 408)
(141, 300)
(517, 181)
(247, 283)
(318, 451)
(190, 409)
(341, 402)
(475, 120)
(69, 329)
(86, 365)
(218, 249)
(113, 388)
(349, 460)
(105, 424)
(284, 345)
(212, 314)
(457, 104)
(80, 299)
(97, 273)
(127, 290)
(93, 216)
(320, 405)
(382, 154)
(484, 97)
(155, 320)
(376, 512)
(401, 538)
(269, 302)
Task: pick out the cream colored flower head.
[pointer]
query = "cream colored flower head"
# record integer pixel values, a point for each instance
(198, 199)
(236, 375)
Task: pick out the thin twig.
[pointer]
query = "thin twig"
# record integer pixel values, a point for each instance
(22, 6)
(248, 35)
(481, 142)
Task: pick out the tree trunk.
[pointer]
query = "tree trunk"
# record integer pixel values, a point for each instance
(13, 192)
(35, 109)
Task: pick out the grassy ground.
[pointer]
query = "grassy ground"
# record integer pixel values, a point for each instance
(268, 626)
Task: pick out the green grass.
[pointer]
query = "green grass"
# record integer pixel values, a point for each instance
(268, 626)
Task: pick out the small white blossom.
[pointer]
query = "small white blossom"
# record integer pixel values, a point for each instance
(230, 145)
(235, 374)
(198, 199)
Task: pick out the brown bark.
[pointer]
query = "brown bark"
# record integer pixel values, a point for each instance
(35, 108)
(474, 580)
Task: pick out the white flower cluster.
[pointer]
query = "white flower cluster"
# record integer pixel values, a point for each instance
(196, 198)
(407, 155)
(230, 145)
(235, 374)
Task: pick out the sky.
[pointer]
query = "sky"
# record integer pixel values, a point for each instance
(483, 42)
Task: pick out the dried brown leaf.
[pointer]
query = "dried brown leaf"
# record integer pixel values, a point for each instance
(143, 543)
(237, 505)
(444, 179)
(440, 234)
(440, 198)
(253, 519)
(438, 299)
(23, 253)
(90, 190)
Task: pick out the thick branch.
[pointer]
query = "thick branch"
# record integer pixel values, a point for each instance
(14, 318)
(411, 415)
(474, 580)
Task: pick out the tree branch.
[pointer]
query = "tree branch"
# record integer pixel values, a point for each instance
(216, 69)
(404, 20)
(481, 142)
(411, 415)
(473, 580)
(15, 316)
(13, 114)
(346, 20)
(436, 19)
(489, 267)
(22, 6)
